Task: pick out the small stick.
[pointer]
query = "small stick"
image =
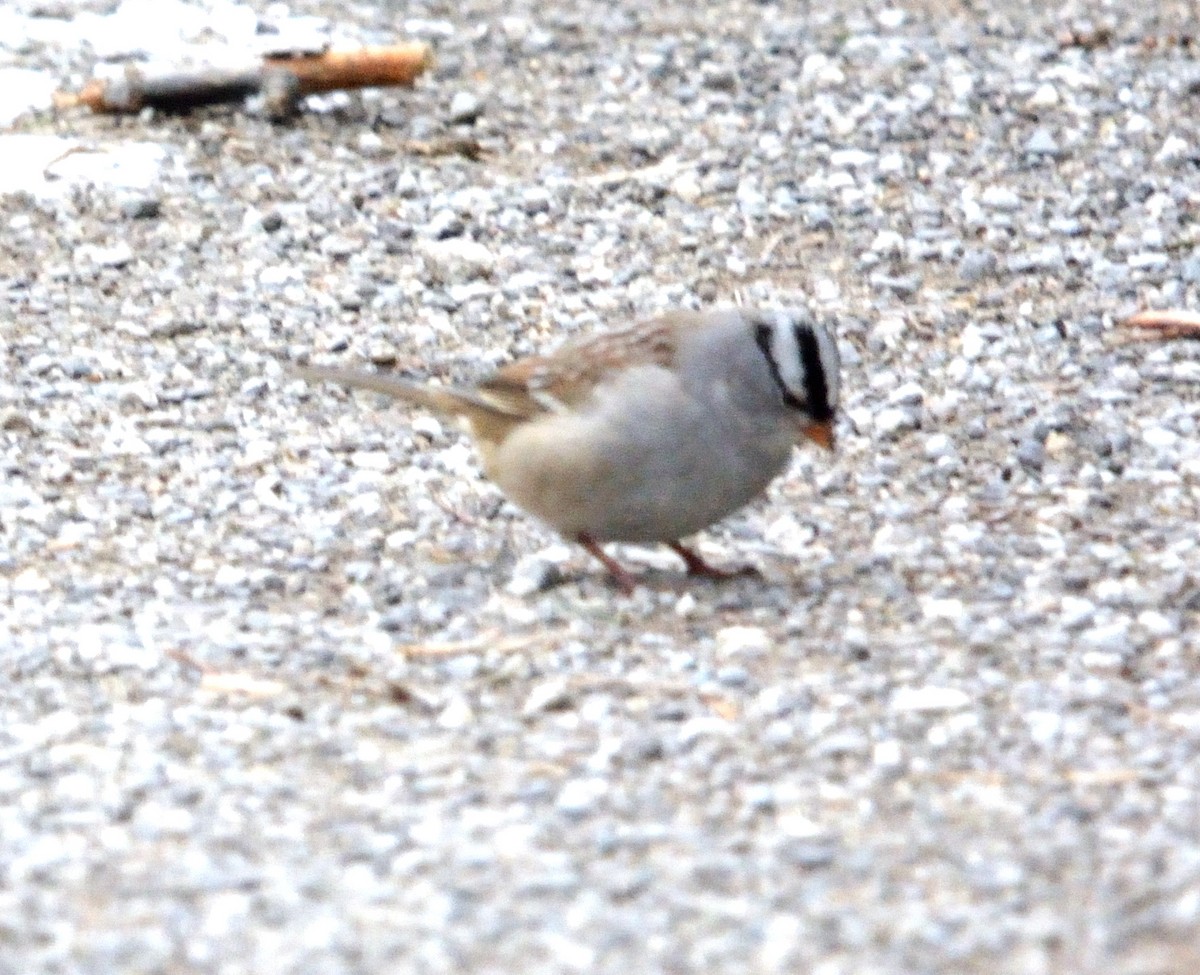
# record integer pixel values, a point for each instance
(1169, 323)
(282, 78)
(380, 66)
(490, 642)
(187, 660)
(174, 91)
(447, 146)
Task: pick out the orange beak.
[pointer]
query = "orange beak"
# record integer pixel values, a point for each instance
(820, 433)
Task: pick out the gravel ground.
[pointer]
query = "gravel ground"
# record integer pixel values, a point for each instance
(288, 687)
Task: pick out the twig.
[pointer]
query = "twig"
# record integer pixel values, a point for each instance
(1169, 323)
(381, 66)
(492, 641)
(447, 146)
(665, 169)
(187, 660)
(281, 79)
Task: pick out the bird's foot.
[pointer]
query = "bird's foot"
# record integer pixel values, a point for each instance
(621, 576)
(696, 566)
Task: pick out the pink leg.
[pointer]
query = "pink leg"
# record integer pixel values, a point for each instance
(620, 575)
(696, 566)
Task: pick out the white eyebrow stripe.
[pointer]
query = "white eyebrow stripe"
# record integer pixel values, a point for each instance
(832, 362)
(786, 352)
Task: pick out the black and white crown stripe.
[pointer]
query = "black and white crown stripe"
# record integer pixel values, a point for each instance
(800, 362)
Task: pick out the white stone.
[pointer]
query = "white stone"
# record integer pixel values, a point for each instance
(736, 640)
(889, 330)
(457, 258)
(1138, 124)
(230, 576)
(1074, 612)
(888, 243)
(532, 573)
(1000, 198)
(22, 90)
(908, 394)
(427, 426)
(893, 421)
(1101, 660)
(1108, 638)
(116, 256)
(579, 796)
(850, 159)
(862, 419)
(929, 698)
(50, 167)
(938, 445)
(887, 753)
(1157, 624)
(819, 71)
(371, 460)
(686, 186)
(30, 581)
(366, 504)
(1046, 96)
(1160, 437)
(549, 695)
(1044, 726)
(686, 605)
(1173, 148)
(456, 714)
(951, 610)
(971, 343)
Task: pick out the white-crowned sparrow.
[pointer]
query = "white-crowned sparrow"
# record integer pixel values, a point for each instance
(648, 433)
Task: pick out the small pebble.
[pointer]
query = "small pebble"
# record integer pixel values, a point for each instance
(1042, 143)
(465, 108)
(1031, 453)
(893, 422)
(1000, 198)
(141, 207)
(977, 264)
(736, 640)
(929, 699)
(579, 797)
(551, 695)
(445, 224)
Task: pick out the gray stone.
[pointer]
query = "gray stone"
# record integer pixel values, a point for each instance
(1042, 143)
(977, 264)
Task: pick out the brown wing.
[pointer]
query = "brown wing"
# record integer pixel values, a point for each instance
(566, 377)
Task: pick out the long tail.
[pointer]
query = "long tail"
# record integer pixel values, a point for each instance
(452, 401)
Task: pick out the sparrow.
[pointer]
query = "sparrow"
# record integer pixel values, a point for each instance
(648, 433)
